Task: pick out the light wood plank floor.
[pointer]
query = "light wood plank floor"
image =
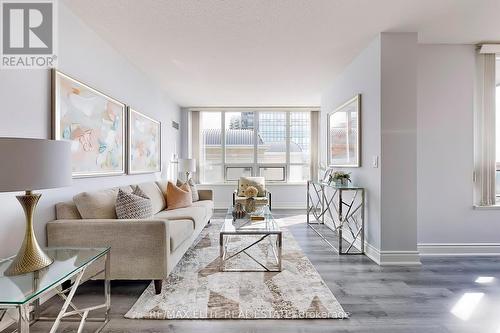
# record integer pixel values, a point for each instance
(380, 300)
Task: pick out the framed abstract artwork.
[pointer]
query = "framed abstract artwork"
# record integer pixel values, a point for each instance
(144, 143)
(93, 122)
(344, 134)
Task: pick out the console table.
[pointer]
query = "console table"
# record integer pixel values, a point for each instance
(342, 210)
(23, 292)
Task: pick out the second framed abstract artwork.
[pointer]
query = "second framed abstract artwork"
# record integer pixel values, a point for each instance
(144, 143)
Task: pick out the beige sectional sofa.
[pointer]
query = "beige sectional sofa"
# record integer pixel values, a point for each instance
(140, 249)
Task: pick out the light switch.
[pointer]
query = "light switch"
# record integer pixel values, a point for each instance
(375, 161)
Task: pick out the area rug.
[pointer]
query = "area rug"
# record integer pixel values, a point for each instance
(196, 289)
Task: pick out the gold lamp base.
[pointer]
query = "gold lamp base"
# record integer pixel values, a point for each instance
(30, 257)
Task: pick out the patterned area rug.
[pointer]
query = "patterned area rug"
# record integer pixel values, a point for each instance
(196, 289)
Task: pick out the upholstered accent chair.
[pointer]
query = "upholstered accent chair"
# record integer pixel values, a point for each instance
(263, 196)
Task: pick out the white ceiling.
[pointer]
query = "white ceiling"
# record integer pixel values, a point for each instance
(269, 52)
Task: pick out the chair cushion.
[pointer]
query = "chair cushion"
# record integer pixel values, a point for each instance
(67, 211)
(135, 205)
(178, 197)
(180, 230)
(196, 214)
(192, 186)
(258, 200)
(154, 193)
(258, 182)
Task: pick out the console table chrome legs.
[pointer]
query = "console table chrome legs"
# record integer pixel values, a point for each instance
(342, 210)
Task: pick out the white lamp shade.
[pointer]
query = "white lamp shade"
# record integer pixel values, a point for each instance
(187, 164)
(34, 164)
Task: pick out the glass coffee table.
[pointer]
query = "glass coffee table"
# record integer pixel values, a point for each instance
(251, 234)
(23, 292)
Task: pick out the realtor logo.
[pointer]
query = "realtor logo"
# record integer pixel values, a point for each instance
(28, 34)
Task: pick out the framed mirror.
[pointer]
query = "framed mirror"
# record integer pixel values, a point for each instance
(344, 134)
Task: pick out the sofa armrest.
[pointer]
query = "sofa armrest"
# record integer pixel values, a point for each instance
(141, 244)
(206, 194)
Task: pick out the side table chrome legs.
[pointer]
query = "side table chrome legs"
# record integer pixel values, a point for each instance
(344, 214)
(69, 311)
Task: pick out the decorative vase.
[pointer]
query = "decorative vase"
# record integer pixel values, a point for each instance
(250, 205)
(238, 211)
(344, 181)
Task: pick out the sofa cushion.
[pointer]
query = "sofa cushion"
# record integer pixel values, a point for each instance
(258, 182)
(178, 197)
(155, 194)
(135, 205)
(67, 211)
(195, 214)
(97, 205)
(208, 205)
(192, 186)
(180, 230)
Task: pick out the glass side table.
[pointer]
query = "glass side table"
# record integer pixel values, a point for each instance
(340, 209)
(23, 292)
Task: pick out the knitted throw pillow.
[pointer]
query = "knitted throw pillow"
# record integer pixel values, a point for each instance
(178, 197)
(192, 186)
(135, 205)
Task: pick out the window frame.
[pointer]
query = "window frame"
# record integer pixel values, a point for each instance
(255, 165)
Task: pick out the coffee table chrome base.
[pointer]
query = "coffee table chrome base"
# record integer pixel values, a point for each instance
(276, 247)
(30, 314)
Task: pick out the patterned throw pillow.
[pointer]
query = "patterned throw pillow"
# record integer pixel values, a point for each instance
(135, 205)
(192, 186)
(178, 197)
(258, 182)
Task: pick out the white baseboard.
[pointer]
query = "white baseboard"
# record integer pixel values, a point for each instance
(387, 258)
(400, 258)
(459, 249)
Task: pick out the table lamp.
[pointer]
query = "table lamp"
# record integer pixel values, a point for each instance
(27, 165)
(187, 165)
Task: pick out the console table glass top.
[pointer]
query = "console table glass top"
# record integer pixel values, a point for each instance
(21, 289)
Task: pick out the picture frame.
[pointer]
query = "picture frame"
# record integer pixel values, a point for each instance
(144, 143)
(94, 124)
(344, 134)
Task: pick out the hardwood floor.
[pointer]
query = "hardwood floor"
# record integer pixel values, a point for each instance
(379, 299)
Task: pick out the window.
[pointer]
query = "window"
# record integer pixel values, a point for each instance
(239, 137)
(210, 161)
(272, 144)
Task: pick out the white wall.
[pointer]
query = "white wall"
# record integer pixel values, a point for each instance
(362, 76)
(384, 74)
(447, 221)
(25, 112)
(399, 136)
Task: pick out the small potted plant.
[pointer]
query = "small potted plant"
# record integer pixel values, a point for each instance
(340, 178)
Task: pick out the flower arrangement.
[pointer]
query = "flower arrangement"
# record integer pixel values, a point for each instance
(251, 192)
(340, 177)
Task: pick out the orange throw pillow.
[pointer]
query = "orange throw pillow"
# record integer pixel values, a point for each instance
(178, 197)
